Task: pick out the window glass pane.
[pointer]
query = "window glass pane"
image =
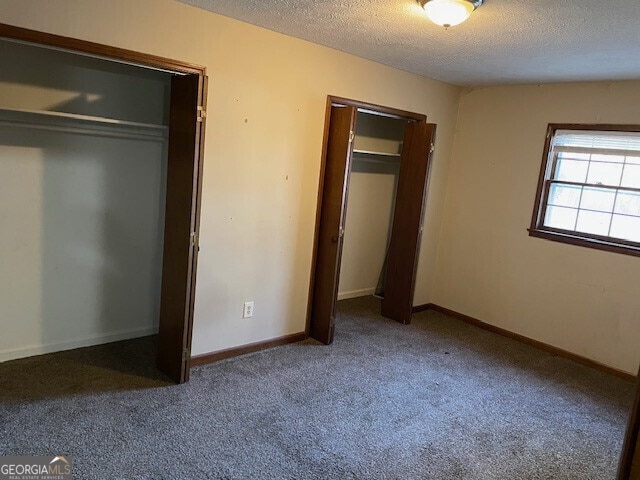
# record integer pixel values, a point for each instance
(605, 173)
(561, 217)
(593, 222)
(571, 170)
(627, 228)
(600, 199)
(628, 203)
(564, 195)
(631, 176)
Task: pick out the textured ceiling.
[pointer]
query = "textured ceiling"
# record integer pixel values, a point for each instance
(503, 42)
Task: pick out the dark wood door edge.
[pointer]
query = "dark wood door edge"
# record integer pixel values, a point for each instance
(328, 253)
(629, 468)
(320, 196)
(207, 358)
(180, 229)
(97, 49)
(406, 228)
(197, 201)
(528, 341)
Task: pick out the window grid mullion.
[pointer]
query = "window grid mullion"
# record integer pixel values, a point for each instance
(615, 199)
(586, 179)
(613, 209)
(575, 224)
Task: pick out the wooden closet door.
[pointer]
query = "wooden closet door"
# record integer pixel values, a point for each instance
(406, 232)
(182, 215)
(331, 228)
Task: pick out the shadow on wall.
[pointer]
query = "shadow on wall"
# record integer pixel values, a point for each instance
(85, 244)
(369, 216)
(45, 79)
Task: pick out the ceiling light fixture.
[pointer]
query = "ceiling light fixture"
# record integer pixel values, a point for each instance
(448, 13)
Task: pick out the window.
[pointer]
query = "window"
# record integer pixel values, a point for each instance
(589, 187)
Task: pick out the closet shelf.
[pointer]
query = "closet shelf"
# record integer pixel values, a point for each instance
(377, 154)
(83, 124)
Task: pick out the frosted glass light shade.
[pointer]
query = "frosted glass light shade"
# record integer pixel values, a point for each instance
(448, 13)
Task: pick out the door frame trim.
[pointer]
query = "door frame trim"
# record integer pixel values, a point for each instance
(143, 60)
(372, 108)
(375, 109)
(99, 50)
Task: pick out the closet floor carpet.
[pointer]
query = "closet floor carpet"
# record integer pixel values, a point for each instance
(437, 399)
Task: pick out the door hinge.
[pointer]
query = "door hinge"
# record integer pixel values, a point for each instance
(432, 147)
(185, 353)
(202, 114)
(341, 232)
(194, 240)
(351, 136)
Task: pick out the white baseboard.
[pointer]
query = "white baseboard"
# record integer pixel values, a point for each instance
(31, 350)
(356, 293)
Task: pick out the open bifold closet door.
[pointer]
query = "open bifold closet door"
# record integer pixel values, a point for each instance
(331, 227)
(121, 147)
(406, 232)
(184, 180)
(412, 161)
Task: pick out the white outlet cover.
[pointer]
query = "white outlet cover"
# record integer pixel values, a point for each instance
(247, 311)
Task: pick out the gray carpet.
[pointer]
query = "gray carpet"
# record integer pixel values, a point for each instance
(437, 399)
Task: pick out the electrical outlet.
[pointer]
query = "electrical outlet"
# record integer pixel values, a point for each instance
(247, 312)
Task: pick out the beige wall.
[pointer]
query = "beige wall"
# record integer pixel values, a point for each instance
(267, 96)
(581, 300)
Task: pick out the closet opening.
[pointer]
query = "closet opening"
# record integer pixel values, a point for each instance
(100, 179)
(371, 197)
(370, 202)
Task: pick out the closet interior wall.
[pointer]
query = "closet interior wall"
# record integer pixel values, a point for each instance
(83, 161)
(371, 199)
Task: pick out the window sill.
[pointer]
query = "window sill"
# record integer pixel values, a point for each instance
(585, 241)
